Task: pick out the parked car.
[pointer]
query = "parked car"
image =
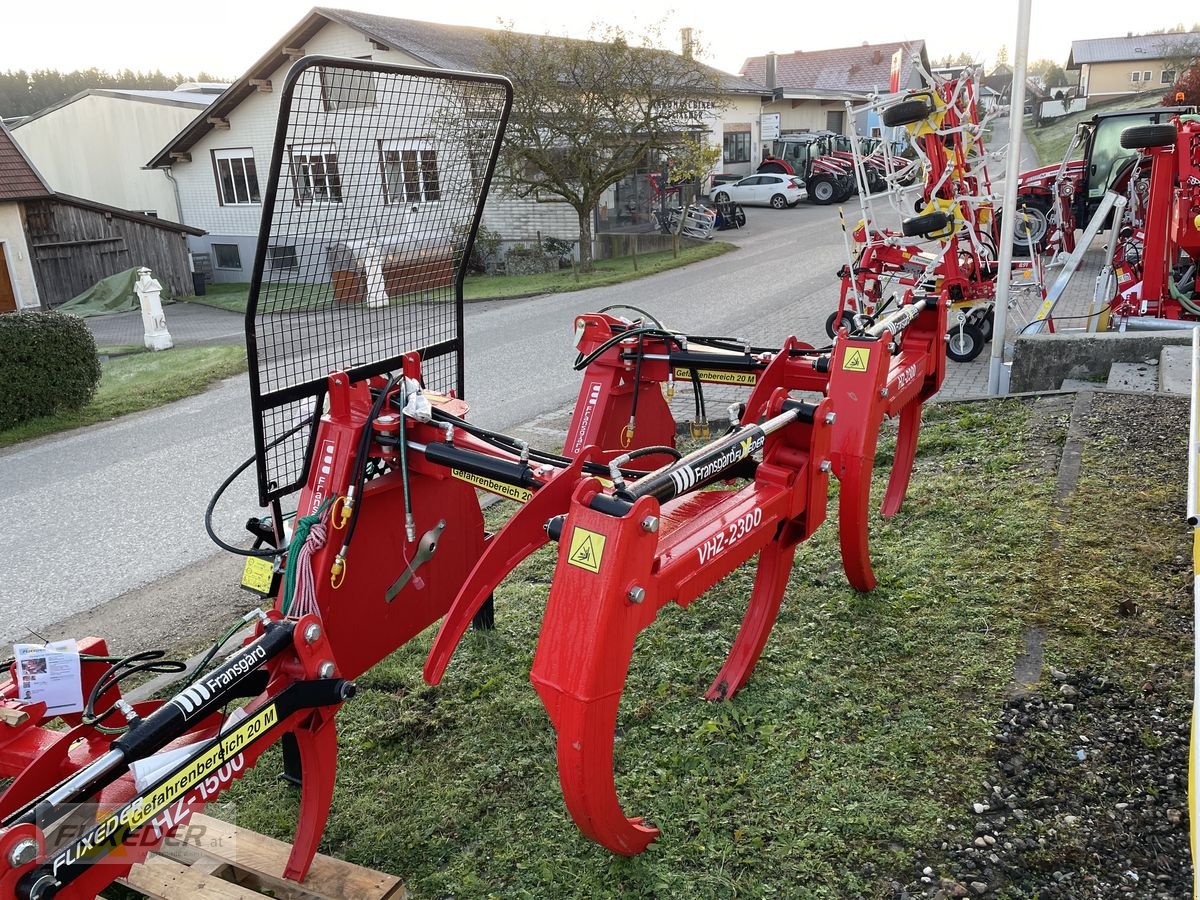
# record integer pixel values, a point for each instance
(778, 191)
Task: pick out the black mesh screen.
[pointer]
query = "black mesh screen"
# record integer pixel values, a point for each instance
(377, 182)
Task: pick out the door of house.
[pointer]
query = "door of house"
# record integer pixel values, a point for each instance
(835, 120)
(8, 293)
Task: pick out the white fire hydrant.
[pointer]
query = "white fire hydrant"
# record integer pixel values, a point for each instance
(154, 321)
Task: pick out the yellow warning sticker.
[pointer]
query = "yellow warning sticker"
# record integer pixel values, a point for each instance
(587, 550)
(491, 485)
(258, 575)
(855, 359)
(712, 376)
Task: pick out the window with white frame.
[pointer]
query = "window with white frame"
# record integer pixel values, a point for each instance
(410, 173)
(1168, 76)
(316, 177)
(1135, 77)
(1146, 77)
(237, 177)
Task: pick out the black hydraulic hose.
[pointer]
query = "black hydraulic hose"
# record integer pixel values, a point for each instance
(233, 476)
(364, 447)
(545, 457)
(582, 362)
(637, 384)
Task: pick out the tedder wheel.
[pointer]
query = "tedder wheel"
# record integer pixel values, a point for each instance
(1031, 226)
(965, 343)
(739, 216)
(721, 197)
(907, 112)
(822, 190)
(986, 323)
(1140, 136)
(926, 224)
(779, 202)
(834, 322)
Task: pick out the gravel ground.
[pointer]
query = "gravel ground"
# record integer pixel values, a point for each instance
(1087, 793)
(1088, 799)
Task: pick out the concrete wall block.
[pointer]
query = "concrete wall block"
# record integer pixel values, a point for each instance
(1042, 361)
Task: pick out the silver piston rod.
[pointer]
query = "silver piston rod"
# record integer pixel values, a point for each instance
(895, 322)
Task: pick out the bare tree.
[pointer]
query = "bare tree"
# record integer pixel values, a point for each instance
(588, 113)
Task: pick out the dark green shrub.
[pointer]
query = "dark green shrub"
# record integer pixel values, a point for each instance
(48, 364)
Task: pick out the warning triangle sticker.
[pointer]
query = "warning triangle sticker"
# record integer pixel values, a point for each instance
(856, 359)
(587, 550)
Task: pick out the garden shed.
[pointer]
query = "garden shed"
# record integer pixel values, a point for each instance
(54, 246)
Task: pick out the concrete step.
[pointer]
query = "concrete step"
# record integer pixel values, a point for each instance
(1175, 370)
(1138, 376)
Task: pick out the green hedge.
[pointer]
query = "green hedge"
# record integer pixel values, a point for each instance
(48, 364)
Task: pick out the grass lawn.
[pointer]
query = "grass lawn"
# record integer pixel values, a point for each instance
(1051, 141)
(607, 271)
(233, 297)
(866, 726)
(138, 381)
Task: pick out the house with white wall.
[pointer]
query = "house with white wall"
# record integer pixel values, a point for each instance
(96, 143)
(221, 159)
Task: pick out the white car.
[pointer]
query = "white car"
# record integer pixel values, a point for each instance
(778, 191)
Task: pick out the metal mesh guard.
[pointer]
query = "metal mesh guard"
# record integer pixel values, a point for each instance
(377, 183)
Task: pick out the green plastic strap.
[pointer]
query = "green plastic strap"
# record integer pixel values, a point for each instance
(299, 536)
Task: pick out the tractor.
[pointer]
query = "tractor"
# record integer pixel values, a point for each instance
(827, 178)
(1057, 199)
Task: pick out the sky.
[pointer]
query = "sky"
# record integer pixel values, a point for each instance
(224, 37)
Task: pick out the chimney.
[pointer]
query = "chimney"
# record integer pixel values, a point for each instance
(686, 35)
(771, 79)
(1129, 34)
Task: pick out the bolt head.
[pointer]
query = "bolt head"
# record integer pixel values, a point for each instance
(23, 852)
(650, 524)
(326, 669)
(883, 392)
(830, 418)
(636, 594)
(826, 465)
(312, 633)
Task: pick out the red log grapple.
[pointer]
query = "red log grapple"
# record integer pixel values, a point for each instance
(359, 420)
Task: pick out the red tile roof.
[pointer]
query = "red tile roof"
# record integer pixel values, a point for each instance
(864, 68)
(19, 180)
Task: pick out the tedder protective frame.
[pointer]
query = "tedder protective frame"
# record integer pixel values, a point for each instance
(376, 189)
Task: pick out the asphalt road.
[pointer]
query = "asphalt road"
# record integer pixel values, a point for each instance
(105, 511)
(101, 511)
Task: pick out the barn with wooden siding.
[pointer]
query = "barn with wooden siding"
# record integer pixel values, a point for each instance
(76, 242)
(54, 246)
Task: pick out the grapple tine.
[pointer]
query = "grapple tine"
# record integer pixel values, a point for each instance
(585, 771)
(317, 743)
(854, 503)
(593, 617)
(906, 452)
(521, 535)
(770, 582)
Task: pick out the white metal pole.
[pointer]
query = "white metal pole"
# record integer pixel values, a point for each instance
(1012, 170)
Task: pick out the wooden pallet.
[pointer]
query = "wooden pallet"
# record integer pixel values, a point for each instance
(231, 863)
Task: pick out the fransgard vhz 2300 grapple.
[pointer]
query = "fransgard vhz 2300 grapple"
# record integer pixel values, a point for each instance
(369, 467)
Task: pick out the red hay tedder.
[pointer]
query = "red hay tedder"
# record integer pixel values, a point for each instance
(356, 362)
